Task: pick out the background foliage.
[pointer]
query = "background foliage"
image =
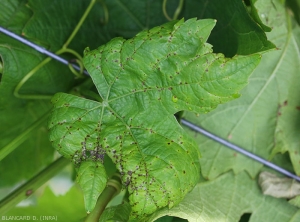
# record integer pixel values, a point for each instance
(264, 120)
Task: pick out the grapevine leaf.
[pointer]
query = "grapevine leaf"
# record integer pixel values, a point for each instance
(49, 23)
(236, 33)
(237, 194)
(57, 20)
(143, 82)
(17, 115)
(92, 179)
(257, 15)
(288, 121)
(265, 120)
(294, 5)
(241, 33)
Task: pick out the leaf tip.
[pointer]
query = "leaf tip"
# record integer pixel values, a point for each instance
(86, 51)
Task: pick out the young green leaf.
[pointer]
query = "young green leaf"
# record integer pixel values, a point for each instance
(92, 178)
(143, 82)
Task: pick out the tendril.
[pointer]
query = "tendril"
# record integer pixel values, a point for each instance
(106, 13)
(39, 66)
(79, 24)
(176, 13)
(74, 71)
(64, 49)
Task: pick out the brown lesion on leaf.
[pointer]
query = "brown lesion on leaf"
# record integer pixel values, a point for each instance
(28, 192)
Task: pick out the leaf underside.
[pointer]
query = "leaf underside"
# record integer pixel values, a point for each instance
(237, 194)
(143, 82)
(265, 120)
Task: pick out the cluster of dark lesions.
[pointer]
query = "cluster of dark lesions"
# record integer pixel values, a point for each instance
(130, 176)
(97, 154)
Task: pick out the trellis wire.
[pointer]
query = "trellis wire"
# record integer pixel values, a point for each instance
(184, 122)
(40, 49)
(232, 146)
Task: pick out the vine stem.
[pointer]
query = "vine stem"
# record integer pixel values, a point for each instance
(178, 9)
(22, 137)
(32, 185)
(165, 11)
(28, 76)
(40, 65)
(79, 24)
(112, 189)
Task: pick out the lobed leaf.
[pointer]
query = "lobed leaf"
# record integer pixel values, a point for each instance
(236, 33)
(143, 82)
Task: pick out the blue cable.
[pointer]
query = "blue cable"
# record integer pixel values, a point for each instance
(238, 149)
(40, 49)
